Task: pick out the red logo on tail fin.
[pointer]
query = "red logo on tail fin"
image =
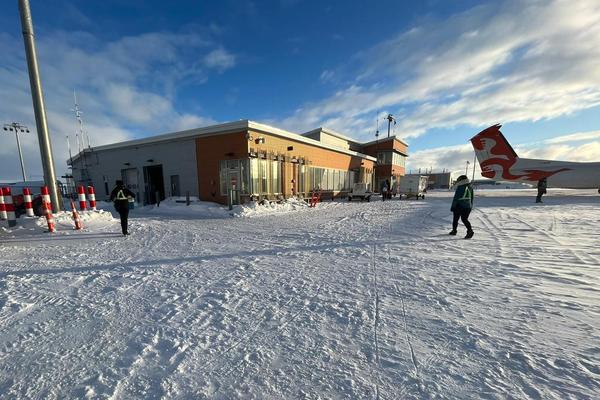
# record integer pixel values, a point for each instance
(502, 154)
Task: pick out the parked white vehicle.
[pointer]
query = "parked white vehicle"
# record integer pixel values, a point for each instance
(360, 191)
(413, 186)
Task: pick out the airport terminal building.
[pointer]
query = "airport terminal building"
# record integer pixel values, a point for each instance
(257, 160)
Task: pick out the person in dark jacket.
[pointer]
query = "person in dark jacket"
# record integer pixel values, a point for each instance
(462, 204)
(541, 187)
(120, 195)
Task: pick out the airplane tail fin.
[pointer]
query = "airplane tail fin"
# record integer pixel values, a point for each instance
(494, 153)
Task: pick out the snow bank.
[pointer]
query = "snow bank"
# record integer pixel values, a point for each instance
(92, 221)
(256, 209)
(177, 208)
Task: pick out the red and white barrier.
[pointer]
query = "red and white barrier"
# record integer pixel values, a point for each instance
(47, 205)
(92, 197)
(2, 207)
(81, 198)
(27, 201)
(9, 207)
(76, 218)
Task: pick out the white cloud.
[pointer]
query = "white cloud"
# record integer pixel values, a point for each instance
(125, 88)
(576, 137)
(326, 75)
(219, 59)
(502, 62)
(450, 158)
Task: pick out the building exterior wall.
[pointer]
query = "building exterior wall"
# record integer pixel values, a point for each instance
(387, 172)
(334, 141)
(373, 148)
(255, 160)
(313, 156)
(210, 150)
(291, 154)
(106, 166)
(316, 155)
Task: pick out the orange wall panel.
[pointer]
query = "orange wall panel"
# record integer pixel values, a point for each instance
(210, 150)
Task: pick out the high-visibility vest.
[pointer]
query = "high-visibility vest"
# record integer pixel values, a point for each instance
(467, 195)
(121, 195)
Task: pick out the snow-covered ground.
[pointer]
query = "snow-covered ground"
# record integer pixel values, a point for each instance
(348, 300)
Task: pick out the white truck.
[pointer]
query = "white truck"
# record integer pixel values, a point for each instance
(360, 191)
(413, 186)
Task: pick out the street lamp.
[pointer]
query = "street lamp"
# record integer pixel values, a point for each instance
(16, 127)
(467, 170)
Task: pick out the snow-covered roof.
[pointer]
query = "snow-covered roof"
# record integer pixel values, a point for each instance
(221, 129)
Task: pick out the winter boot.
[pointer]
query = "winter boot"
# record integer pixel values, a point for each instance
(469, 234)
(452, 232)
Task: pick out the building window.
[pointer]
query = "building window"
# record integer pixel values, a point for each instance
(328, 179)
(263, 176)
(391, 157)
(275, 177)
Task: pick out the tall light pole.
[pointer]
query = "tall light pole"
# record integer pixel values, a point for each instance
(16, 127)
(467, 169)
(38, 104)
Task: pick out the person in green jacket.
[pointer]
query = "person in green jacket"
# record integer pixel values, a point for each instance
(462, 204)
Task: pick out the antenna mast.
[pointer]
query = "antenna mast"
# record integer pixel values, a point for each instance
(390, 118)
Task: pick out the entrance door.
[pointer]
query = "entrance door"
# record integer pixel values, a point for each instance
(233, 182)
(154, 184)
(175, 185)
(130, 179)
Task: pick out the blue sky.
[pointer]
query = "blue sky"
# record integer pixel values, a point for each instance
(445, 69)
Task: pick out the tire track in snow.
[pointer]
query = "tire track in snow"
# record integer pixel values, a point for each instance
(575, 252)
(413, 356)
(376, 322)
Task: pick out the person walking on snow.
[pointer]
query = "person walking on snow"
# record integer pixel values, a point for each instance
(462, 204)
(384, 191)
(541, 187)
(120, 195)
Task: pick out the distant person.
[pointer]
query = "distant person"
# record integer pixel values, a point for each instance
(389, 188)
(541, 187)
(120, 195)
(384, 191)
(462, 204)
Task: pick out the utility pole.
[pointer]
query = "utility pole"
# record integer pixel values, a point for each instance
(390, 118)
(467, 170)
(474, 166)
(16, 127)
(38, 104)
